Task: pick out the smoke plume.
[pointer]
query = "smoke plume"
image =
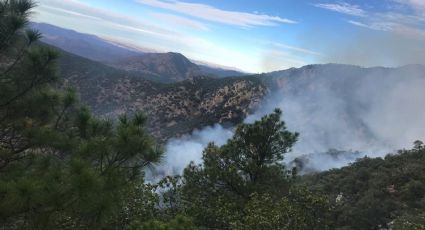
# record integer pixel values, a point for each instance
(361, 111)
(179, 152)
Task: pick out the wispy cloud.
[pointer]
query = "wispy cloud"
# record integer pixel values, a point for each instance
(379, 25)
(405, 25)
(406, 22)
(415, 4)
(101, 20)
(210, 13)
(68, 12)
(81, 10)
(295, 49)
(177, 20)
(344, 8)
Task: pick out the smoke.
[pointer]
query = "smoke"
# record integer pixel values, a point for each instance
(323, 161)
(179, 152)
(362, 112)
(370, 48)
(367, 47)
(374, 111)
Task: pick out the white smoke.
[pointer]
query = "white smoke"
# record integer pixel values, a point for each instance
(179, 152)
(371, 113)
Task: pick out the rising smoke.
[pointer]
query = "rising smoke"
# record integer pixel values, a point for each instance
(179, 152)
(362, 111)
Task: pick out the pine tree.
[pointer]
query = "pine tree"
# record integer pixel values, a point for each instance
(60, 166)
(245, 182)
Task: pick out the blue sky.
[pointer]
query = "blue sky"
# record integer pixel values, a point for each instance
(255, 35)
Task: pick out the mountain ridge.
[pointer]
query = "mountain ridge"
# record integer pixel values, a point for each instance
(82, 44)
(168, 67)
(171, 65)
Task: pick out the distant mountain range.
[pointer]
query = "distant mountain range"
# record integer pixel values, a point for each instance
(350, 97)
(331, 105)
(165, 67)
(84, 45)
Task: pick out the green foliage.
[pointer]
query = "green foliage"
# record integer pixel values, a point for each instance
(409, 222)
(376, 192)
(178, 223)
(244, 185)
(139, 205)
(61, 167)
(299, 210)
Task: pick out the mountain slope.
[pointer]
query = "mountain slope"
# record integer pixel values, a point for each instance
(173, 66)
(376, 193)
(173, 109)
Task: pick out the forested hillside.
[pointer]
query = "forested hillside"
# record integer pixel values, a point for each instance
(371, 192)
(173, 109)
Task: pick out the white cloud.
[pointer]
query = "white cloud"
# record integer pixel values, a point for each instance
(357, 23)
(404, 25)
(415, 4)
(343, 8)
(296, 49)
(395, 20)
(69, 12)
(102, 20)
(80, 10)
(209, 13)
(174, 19)
(400, 18)
(381, 26)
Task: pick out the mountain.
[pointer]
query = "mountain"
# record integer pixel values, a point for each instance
(85, 45)
(333, 106)
(162, 67)
(173, 109)
(361, 100)
(173, 66)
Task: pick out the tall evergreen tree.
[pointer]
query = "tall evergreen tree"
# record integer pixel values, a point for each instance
(240, 183)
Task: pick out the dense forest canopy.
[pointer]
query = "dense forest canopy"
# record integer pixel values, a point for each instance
(61, 167)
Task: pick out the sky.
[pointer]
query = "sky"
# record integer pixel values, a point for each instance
(255, 35)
